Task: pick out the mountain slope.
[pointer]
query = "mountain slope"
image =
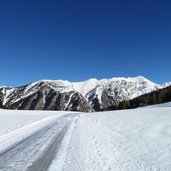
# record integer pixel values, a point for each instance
(155, 97)
(90, 95)
(44, 95)
(107, 93)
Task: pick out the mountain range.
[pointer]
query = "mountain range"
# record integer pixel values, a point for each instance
(87, 96)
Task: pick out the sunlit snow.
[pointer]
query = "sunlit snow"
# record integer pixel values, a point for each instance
(125, 140)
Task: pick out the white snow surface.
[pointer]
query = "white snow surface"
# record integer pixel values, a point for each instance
(125, 140)
(123, 84)
(86, 86)
(14, 119)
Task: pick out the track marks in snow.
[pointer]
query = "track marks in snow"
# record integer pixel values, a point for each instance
(128, 140)
(38, 150)
(88, 150)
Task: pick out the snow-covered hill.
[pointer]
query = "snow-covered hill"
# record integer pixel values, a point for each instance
(90, 95)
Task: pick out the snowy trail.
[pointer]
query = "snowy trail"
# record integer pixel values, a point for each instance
(127, 140)
(90, 151)
(36, 145)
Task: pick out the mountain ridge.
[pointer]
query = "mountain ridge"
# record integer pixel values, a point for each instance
(90, 95)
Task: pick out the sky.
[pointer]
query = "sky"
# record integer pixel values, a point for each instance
(76, 40)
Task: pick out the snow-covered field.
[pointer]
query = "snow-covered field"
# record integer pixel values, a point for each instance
(127, 140)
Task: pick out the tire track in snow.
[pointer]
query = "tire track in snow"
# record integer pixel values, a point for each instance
(43, 163)
(37, 151)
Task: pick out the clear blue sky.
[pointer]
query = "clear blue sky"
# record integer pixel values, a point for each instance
(78, 39)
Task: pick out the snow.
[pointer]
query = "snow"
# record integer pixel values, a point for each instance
(57, 85)
(168, 104)
(128, 140)
(7, 93)
(167, 84)
(67, 105)
(128, 88)
(14, 119)
(16, 94)
(86, 86)
(24, 148)
(124, 140)
(132, 87)
(119, 88)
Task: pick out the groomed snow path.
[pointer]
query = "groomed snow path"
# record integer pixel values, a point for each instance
(36, 146)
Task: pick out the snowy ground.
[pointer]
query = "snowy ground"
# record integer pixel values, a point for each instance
(127, 140)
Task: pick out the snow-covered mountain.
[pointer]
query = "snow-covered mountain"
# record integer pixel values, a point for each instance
(90, 95)
(44, 95)
(106, 93)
